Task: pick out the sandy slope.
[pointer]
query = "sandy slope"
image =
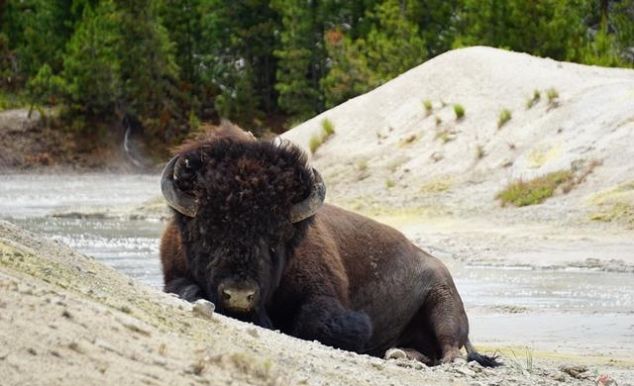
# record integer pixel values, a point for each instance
(456, 167)
(68, 320)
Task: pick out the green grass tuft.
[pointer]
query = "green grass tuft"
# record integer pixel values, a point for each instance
(314, 143)
(505, 116)
(328, 127)
(553, 96)
(390, 183)
(428, 106)
(459, 110)
(530, 102)
(535, 191)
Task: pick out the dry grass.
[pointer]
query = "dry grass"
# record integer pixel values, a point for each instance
(445, 135)
(480, 153)
(535, 191)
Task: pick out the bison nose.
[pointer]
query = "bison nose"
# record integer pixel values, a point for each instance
(239, 299)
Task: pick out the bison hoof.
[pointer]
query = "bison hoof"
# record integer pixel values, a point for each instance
(395, 353)
(407, 354)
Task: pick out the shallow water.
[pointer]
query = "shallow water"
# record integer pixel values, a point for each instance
(578, 311)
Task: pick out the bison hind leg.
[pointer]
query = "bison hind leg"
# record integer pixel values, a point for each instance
(327, 321)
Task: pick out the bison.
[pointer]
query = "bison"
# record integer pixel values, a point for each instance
(251, 233)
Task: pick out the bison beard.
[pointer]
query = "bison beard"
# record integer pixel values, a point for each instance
(250, 234)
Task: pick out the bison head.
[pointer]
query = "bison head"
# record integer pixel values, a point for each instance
(241, 207)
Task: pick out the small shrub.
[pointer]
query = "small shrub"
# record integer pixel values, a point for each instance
(459, 110)
(553, 96)
(328, 127)
(505, 116)
(314, 143)
(390, 183)
(533, 100)
(428, 106)
(535, 191)
(438, 120)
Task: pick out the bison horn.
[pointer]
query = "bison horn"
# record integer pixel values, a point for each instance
(308, 207)
(180, 201)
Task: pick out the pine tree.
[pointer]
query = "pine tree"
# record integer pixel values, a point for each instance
(38, 31)
(148, 71)
(301, 57)
(237, 56)
(91, 75)
(393, 45)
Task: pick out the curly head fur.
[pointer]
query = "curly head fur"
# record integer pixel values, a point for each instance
(245, 190)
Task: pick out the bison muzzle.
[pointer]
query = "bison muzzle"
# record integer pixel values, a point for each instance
(251, 233)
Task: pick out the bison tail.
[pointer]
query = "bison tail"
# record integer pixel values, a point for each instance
(484, 360)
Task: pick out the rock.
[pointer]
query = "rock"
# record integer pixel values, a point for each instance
(465, 371)
(605, 380)
(204, 308)
(395, 353)
(253, 332)
(574, 371)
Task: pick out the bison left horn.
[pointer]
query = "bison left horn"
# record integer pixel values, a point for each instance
(180, 201)
(306, 208)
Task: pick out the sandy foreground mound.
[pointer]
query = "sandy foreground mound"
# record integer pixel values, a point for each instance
(387, 145)
(67, 320)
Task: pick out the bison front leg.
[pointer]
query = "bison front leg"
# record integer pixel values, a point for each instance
(185, 288)
(326, 320)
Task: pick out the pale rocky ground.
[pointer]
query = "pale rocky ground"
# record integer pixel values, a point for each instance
(438, 182)
(67, 320)
(443, 197)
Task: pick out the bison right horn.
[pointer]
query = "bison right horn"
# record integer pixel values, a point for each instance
(306, 208)
(180, 201)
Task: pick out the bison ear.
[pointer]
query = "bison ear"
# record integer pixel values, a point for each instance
(177, 182)
(309, 206)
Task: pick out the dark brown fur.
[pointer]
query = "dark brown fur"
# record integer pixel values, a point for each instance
(337, 277)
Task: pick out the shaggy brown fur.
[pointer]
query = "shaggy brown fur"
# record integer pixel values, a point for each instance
(337, 277)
